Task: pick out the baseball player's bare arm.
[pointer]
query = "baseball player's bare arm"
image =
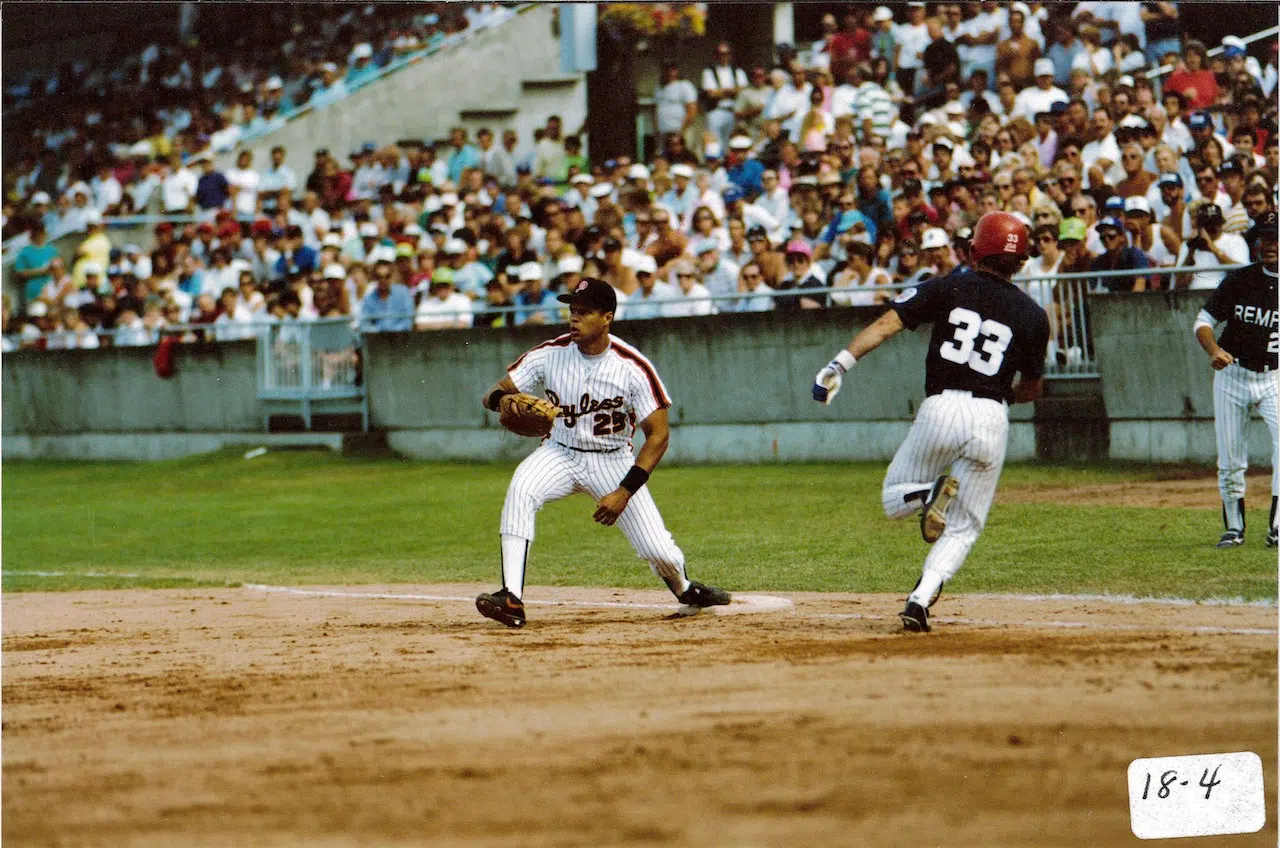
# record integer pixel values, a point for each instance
(1218, 358)
(657, 435)
(505, 386)
(884, 328)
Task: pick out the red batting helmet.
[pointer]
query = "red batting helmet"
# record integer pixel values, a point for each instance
(999, 234)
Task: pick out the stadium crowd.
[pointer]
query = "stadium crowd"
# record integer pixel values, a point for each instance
(857, 163)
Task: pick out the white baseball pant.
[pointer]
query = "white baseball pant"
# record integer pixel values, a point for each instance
(1236, 390)
(553, 472)
(970, 436)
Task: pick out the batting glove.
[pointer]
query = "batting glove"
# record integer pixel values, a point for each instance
(827, 384)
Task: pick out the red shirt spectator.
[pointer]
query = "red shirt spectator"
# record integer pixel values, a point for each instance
(1194, 82)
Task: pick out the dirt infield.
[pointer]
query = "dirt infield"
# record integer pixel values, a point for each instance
(234, 716)
(1196, 490)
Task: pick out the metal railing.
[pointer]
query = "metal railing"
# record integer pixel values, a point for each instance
(1070, 353)
(310, 366)
(1247, 39)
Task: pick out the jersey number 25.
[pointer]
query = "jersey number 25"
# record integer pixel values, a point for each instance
(977, 343)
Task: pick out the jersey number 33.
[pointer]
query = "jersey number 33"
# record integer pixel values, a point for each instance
(977, 343)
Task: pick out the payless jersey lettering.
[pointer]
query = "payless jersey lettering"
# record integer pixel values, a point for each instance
(601, 398)
(984, 332)
(1246, 301)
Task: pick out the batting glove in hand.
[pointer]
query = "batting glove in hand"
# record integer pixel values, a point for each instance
(826, 385)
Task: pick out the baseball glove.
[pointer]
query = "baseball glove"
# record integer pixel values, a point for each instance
(526, 415)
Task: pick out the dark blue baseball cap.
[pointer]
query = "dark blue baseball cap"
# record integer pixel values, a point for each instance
(1199, 120)
(1169, 179)
(1109, 222)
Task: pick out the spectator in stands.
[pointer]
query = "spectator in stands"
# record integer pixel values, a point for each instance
(277, 180)
(33, 263)
(444, 307)
(691, 297)
(1119, 255)
(549, 153)
(722, 82)
(1194, 81)
(388, 307)
(1137, 181)
(1210, 245)
(1234, 213)
(243, 183)
(537, 302)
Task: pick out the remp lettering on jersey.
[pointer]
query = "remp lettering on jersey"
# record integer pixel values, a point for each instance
(570, 414)
(1257, 315)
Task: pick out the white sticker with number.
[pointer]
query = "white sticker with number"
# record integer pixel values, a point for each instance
(1200, 795)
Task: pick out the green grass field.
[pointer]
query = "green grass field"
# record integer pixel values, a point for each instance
(310, 517)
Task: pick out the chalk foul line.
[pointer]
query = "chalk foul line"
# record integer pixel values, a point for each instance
(770, 603)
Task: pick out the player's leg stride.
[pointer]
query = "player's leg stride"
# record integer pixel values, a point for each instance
(1233, 520)
(986, 333)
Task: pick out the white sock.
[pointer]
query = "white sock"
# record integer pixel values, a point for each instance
(930, 583)
(514, 553)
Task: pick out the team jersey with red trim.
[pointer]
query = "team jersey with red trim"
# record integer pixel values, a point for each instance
(601, 398)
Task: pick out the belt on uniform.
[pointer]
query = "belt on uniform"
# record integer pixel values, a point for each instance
(1256, 365)
(589, 450)
(984, 395)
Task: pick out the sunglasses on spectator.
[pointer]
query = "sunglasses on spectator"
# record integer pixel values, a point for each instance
(1066, 179)
(795, 258)
(750, 276)
(1044, 215)
(1106, 234)
(1004, 185)
(1047, 239)
(1131, 157)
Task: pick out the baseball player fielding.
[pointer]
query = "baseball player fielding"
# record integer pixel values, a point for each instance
(1244, 360)
(604, 387)
(985, 330)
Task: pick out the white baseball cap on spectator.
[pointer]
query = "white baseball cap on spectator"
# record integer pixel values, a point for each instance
(740, 142)
(455, 247)
(331, 240)
(954, 107)
(943, 141)
(646, 264)
(368, 229)
(1125, 81)
(1044, 68)
(273, 84)
(1137, 203)
(962, 159)
(569, 265)
(37, 309)
(1133, 122)
(637, 172)
(601, 190)
(934, 237)
(530, 271)
(449, 198)
(40, 198)
(132, 249)
(682, 170)
(630, 256)
(363, 50)
(80, 188)
(381, 253)
(882, 13)
(928, 118)
(91, 268)
(92, 217)
(412, 230)
(334, 271)
(329, 67)
(432, 203)
(1021, 7)
(957, 129)
(141, 148)
(582, 179)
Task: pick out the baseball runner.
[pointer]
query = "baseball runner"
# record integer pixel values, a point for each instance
(1244, 360)
(984, 331)
(602, 387)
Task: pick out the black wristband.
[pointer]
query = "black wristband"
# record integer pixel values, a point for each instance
(635, 478)
(491, 402)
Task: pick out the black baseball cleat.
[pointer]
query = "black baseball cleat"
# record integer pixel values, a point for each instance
(915, 619)
(702, 595)
(1273, 538)
(502, 606)
(933, 521)
(1231, 539)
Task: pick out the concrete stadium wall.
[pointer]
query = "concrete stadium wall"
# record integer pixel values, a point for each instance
(1156, 381)
(511, 74)
(740, 387)
(116, 390)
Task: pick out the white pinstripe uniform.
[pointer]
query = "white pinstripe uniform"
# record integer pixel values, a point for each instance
(1246, 302)
(969, 434)
(602, 399)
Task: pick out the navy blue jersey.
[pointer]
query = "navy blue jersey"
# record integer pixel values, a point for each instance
(1246, 300)
(985, 330)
